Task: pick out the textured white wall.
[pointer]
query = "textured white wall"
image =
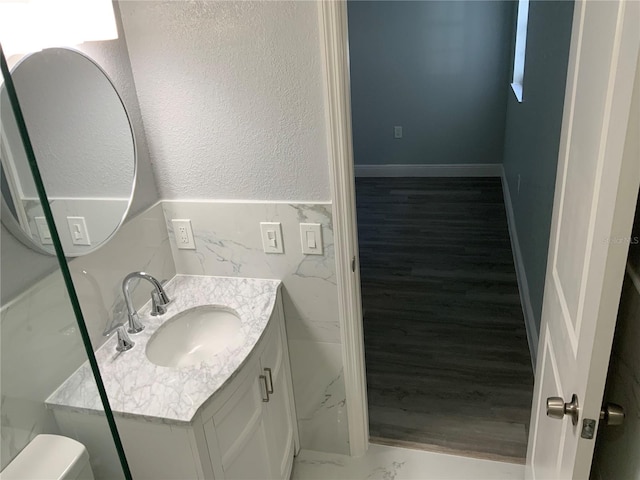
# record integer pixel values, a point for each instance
(231, 97)
(113, 57)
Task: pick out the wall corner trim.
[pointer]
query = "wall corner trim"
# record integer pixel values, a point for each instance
(434, 170)
(521, 274)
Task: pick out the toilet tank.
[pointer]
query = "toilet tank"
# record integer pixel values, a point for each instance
(50, 457)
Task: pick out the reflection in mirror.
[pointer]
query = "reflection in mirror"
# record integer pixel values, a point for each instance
(84, 147)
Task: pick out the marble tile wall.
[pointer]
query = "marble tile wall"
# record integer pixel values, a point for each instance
(40, 347)
(40, 342)
(141, 244)
(228, 243)
(39, 325)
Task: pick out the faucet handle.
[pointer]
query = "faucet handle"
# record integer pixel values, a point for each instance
(158, 304)
(124, 341)
(135, 325)
(163, 299)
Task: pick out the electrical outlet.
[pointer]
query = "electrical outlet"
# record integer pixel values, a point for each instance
(183, 234)
(397, 132)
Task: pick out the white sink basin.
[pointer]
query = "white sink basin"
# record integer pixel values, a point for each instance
(195, 335)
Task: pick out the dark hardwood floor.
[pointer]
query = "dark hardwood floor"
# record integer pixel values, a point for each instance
(447, 359)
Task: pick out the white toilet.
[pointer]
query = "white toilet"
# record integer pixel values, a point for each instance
(50, 457)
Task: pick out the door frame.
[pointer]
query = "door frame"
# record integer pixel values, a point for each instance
(334, 42)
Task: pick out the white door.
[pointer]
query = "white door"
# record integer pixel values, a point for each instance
(596, 188)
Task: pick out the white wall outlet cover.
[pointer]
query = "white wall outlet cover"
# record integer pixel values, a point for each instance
(78, 230)
(271, 233)
(183, 233)
(397, 131)
(311, 238)
(43, 230)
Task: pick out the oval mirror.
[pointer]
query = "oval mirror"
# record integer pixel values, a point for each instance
(84, 147)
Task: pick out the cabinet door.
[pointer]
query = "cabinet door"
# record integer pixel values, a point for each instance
(240, 432)
(252, 461)
(278, 417)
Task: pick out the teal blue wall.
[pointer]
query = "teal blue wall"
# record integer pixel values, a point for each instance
(438, 68)
(532, 136)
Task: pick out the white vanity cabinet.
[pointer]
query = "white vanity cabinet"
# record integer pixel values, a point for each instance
(236, 434)
(280, 423)
(246, 430)
(251, 432)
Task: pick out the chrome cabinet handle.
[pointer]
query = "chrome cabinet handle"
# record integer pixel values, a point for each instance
(270, 389)
(266, 389)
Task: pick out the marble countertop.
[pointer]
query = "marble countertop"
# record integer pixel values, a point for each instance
(138, 388)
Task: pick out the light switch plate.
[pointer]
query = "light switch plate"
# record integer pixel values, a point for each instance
(183, 233)
(78, 230)
(311, 238)
(271, 233)
(43, 231)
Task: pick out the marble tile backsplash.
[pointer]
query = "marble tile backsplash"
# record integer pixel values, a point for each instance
(142, 244)
(228, 242)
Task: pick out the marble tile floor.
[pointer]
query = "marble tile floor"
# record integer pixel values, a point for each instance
(448, 364)
(383, 462)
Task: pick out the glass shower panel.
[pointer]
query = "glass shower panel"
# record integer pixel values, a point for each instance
(42, 339)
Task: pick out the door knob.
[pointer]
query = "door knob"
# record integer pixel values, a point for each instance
(612, 414)
(556, 408)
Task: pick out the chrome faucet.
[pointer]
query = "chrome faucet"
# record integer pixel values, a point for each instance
(159, 300)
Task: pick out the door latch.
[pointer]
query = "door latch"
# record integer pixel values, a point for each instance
(611, 414)
(588, 428)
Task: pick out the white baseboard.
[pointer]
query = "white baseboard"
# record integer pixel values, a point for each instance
(523, 284)
(459, 170)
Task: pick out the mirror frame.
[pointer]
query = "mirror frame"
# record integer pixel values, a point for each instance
(7, 218)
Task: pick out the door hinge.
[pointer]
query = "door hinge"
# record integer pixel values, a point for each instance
(353, 264)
